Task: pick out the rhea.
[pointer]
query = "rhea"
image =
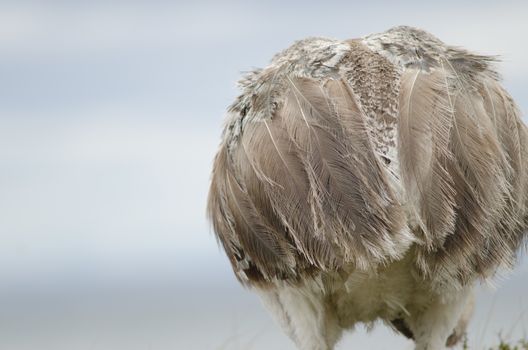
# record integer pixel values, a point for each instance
(371, 179)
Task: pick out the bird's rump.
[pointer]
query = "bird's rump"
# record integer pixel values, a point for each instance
(365, 151)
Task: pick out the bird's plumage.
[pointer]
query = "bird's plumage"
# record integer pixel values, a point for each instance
(345, 160)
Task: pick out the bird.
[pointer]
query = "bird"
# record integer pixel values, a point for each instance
(371, 180)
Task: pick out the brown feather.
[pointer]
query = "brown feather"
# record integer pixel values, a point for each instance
(457, 172)
(426, 119)
(329, 161)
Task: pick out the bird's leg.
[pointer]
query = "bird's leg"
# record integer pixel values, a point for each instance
(304, 315)
(461, 326)
(432, 326)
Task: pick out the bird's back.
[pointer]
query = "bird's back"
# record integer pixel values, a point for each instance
(348, 155)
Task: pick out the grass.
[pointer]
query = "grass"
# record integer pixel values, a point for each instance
(503, 345)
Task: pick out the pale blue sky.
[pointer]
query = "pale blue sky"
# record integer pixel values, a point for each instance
(110, 114)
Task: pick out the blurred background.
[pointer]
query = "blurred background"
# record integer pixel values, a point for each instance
(110, 114)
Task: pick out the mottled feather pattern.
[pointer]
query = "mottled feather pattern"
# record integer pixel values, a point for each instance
(351, 154)
(373, 178)
(311, 175)
(464, 182)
